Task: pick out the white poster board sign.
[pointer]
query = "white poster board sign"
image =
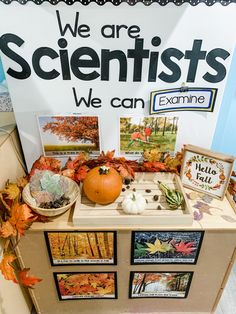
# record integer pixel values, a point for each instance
(106, 60)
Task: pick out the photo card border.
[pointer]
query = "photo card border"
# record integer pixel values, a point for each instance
(132, 262)
(159, 297)
(82, 231)
(85, 272)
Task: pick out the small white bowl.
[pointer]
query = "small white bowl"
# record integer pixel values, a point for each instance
(72, 193)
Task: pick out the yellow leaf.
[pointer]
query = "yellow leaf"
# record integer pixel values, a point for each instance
(12, 191)
(94, 285)
(156, 247)
(107, 290)
(7, 230)
(6, 267)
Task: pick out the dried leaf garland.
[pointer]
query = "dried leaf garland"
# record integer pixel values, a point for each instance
(16, 218)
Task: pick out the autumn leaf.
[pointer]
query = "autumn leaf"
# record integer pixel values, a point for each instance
(94, 285)
(7, 230)
(21, 218)
(46, 163)
(203, 207)
(6, 267)
(69, 173)
(123, 172)
(26, 280)
(9, 197)
(155, 166)
(197, 215)
(81, 173)
(62, 289)
(167, 246)
(156, 247)
(76, 162)
(12, 191)
(108, 155)
(185, 248)
(193, 195)
(173, 164)
(21, 182)
(107, 290)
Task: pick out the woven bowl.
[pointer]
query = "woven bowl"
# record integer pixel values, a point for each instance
(72, 192)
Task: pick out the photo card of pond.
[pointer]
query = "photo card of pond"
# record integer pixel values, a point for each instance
(159, 284)
(139, 134)
(206, 171)
(81, 247)
(86, 285)
(165, 247)
(69, 135)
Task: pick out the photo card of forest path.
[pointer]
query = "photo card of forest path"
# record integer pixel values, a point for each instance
(139, 134)
(69, 135)
(165, 247)
(81, 247)
(159, 284)
(86, 285)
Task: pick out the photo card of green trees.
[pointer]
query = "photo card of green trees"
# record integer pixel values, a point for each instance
(138, 134)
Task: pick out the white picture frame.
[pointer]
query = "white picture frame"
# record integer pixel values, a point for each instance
(206, 171)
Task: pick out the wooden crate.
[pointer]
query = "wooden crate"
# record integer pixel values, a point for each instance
(231, 201)
(90, 214)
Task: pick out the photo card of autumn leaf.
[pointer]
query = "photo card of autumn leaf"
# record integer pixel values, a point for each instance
(68, 135)
(155, 136)
(165, 247)
(81, 247)
(86, 285)
(154, 284)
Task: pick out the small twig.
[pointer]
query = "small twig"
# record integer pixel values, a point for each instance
(15, 245)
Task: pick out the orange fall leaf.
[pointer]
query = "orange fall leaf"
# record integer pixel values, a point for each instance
(7, 230)
(6, 267)
(21, 218)
(26, 280)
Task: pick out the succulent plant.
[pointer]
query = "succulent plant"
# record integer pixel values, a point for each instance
(46, 187)
(51, 183)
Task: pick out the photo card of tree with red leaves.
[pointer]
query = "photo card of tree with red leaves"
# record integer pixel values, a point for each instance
(68, 135)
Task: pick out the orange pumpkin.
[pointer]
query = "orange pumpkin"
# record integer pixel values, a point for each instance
(102, 185)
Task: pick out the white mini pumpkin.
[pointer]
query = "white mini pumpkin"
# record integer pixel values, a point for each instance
(134, 203)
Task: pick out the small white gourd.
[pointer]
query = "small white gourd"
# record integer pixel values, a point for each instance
(134, 203)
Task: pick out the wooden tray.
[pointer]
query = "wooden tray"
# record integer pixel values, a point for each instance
(90, 214)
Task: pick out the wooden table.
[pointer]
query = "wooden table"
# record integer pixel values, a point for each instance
(210, 273)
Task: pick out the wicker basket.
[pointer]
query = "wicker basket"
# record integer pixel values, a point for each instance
(72, 192)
